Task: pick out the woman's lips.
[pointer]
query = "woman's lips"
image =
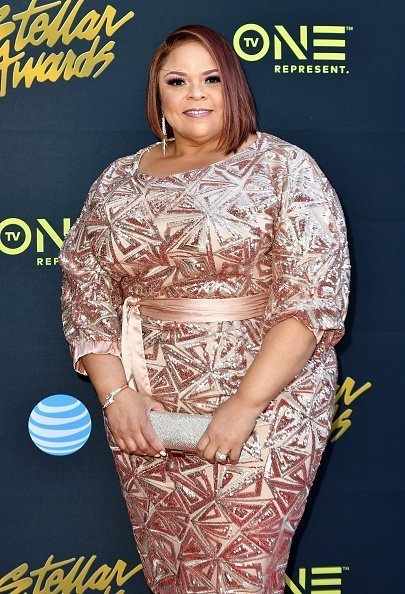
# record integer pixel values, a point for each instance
(200, 114)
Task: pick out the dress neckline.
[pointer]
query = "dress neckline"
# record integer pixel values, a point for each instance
(180, 174)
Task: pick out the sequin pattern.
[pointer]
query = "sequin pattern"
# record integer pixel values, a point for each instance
(265, 219)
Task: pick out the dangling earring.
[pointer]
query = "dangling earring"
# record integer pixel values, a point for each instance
(164, 135)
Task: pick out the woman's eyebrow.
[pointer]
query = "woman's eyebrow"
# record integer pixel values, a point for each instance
(185, 73)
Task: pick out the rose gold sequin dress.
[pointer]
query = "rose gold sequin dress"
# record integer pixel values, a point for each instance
(265, 219)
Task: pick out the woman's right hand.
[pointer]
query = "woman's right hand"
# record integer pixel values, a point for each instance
(128, 418)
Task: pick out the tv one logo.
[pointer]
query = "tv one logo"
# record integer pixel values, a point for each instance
(314, 49)
(17, 236)
(316, 580)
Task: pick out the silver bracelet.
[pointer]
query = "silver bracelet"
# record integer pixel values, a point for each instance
(111, 396)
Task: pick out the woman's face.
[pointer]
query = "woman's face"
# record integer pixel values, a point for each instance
(189, 80)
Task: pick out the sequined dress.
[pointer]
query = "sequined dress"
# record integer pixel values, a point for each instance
(265, 219)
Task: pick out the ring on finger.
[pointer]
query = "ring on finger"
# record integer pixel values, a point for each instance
(220, 457)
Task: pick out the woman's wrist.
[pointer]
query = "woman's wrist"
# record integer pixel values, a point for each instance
(125, 394)
(255, 406)
(106, 373)
(110, 397)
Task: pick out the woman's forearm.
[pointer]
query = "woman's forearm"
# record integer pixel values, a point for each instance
(106, 372)
(285, 350)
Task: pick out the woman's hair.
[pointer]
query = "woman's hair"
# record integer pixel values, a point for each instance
(239, 109)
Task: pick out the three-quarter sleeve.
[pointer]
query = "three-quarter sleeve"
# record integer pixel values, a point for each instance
(91, 294)
(310, 261)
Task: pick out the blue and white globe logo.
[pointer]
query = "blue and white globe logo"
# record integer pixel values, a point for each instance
(59, 425)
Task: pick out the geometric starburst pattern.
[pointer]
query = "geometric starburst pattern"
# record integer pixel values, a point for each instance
(228, 528)
(265, 219)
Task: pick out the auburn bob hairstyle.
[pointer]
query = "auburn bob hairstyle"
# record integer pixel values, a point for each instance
(239, 109)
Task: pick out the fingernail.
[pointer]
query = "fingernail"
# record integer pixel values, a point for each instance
(157, 456)
(162, 453)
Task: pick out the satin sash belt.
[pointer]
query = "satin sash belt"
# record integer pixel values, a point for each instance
(176, 310)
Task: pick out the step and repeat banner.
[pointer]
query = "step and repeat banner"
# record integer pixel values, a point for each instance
(326, 77)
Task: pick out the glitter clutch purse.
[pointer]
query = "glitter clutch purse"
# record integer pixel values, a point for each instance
(179, 431)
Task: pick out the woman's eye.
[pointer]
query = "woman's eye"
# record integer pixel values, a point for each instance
(215, 78)
(174, 81)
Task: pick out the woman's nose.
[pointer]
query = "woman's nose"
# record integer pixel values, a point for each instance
(195, 91)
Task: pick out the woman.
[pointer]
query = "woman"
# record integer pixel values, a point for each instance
(221, 211)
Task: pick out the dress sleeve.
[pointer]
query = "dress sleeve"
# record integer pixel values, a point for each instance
(91, 295)
(309, 255)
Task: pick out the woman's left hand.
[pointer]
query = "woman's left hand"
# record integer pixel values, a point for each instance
(231, 425)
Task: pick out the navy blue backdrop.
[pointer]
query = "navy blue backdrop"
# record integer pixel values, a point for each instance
(58, 135)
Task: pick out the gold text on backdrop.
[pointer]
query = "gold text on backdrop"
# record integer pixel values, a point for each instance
(34, 26)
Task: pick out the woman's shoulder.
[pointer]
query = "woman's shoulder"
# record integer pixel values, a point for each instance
(117, 170)
(297, 159)
(271, 142)
(125, 164)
